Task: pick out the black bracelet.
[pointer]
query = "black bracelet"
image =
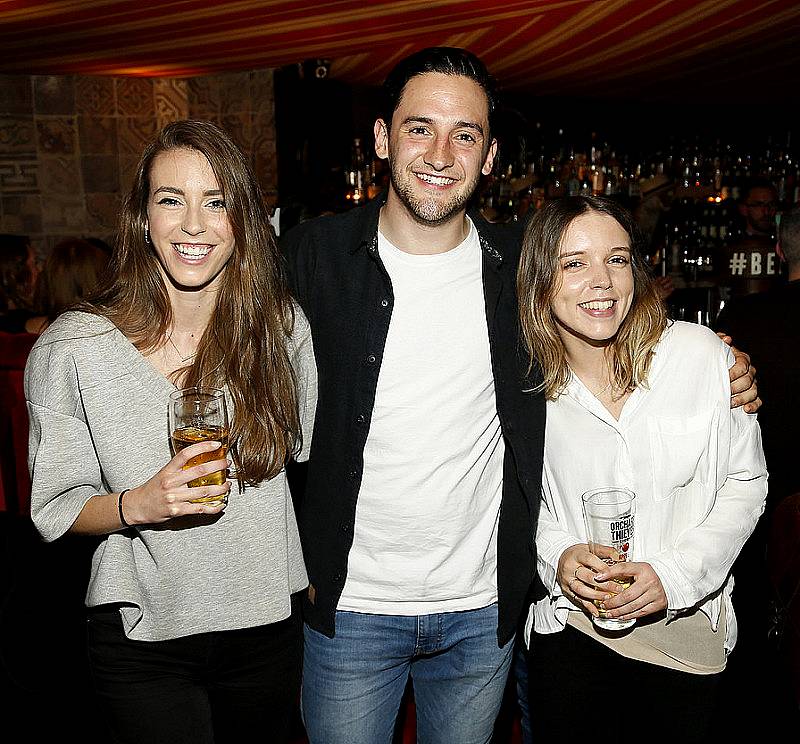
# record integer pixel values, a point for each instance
(119, 507)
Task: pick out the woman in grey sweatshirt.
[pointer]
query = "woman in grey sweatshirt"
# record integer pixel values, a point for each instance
(193, 630)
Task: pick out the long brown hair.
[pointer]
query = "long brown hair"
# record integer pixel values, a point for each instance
(539, 278)
(245, 342)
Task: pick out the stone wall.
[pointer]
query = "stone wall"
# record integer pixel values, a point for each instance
(69, 144)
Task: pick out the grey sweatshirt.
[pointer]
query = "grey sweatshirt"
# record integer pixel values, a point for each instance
(98, 424)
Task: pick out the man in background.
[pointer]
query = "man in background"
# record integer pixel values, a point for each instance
(766, 324)
(751, 262)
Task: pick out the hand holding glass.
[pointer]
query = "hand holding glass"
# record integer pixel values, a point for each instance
(199, 414)
(608, 514)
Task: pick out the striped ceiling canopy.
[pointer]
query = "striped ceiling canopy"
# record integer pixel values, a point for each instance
(659, 49)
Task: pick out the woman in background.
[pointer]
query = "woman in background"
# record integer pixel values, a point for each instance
(70, 272)
(193, 632)
(18, 273)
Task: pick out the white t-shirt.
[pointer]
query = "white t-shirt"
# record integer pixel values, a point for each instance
(426, 519)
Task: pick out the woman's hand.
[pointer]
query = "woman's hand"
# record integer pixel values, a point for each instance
(166, 495)
(577, 570)
(645, 595)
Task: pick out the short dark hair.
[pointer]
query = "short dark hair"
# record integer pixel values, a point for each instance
(756, 183)
(789, 236)
(445, 60)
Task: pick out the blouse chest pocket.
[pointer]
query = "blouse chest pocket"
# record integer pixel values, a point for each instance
(677, 446)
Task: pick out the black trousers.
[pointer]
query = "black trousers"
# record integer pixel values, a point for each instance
(579, 686)
(211, 688)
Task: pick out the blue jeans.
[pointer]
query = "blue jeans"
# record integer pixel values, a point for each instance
(523, 702)
(353, 683)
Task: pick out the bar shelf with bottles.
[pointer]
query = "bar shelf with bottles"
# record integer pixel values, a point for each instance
(698, 182)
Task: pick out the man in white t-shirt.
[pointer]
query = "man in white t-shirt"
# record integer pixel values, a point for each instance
(419, 545)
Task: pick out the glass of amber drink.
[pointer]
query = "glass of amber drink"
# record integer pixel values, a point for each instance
(609, 518)
(199, 414)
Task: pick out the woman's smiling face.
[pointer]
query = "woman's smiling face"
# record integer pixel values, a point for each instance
(596, 280)
(187, 219)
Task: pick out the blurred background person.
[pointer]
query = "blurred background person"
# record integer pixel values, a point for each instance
(657, 193)
(758, 207)
(766, 323)
(18, 274)
(751, 262)
(70, 272)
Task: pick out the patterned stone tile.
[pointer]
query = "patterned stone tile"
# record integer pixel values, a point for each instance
(238, 127)
(263, 125)
(22, 213)
(135, 97)
(100, 172)
(56, 135)
(171, 100)
(127, 170)
(59, 176)
(54, 94)
(19, 177)
(17, 137)
(134, 132)
(234, 93)
(16, 94)
(63, 214)
(262, 91)
(265, 167)
(102, 212)
(203, 97)
(97, 135)
(95, 95)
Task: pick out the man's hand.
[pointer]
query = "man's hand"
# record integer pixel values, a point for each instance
(742, 374)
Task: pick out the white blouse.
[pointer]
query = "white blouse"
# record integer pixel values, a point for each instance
(696, 466)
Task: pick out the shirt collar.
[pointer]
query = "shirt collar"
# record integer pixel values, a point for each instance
(368, 237)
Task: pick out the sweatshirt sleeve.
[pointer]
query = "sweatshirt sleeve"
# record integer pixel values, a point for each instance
(305, 370)
(65, 471)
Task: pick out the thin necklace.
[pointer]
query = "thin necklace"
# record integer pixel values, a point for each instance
(177, 350)
(600, 392)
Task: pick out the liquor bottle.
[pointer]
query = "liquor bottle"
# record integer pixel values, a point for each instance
(357, 175)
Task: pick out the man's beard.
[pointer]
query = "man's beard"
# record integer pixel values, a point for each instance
(763, 227)
(429, 211)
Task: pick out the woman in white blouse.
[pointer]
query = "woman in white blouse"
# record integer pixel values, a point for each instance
(638, 402)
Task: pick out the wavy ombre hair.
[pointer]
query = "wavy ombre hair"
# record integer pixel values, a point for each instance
(244, 345)
(630, 352)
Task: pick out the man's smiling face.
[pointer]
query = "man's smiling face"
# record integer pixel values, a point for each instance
(437, 145)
